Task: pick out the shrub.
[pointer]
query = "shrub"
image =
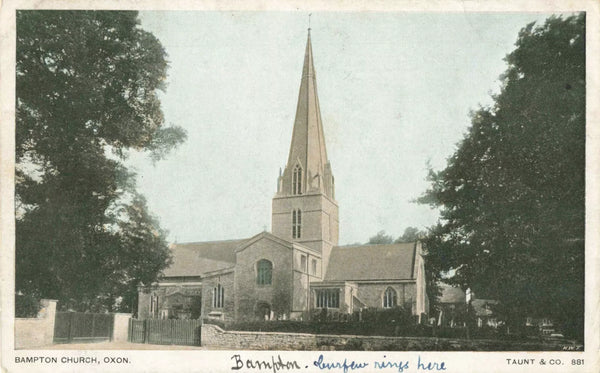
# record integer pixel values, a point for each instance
(26, 305)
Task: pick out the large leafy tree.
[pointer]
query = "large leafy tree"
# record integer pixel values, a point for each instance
(512, 197)
(86, 88)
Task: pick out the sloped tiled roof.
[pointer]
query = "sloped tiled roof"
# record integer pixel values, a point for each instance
(372, 262)
(197, 258)
(483, 307)
(452, 294)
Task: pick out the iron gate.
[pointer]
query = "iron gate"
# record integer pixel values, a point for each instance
(165, 332)
(70, 327)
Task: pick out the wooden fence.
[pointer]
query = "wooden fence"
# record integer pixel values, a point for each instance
(165, 332)
(80, 327)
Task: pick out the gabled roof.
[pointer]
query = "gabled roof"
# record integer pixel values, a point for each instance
(260, 236)
(452, 294)
(372, 262)
(197, 258)
(484, 307)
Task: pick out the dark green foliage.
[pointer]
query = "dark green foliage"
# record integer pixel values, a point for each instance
(86, 85)
(380, 238)
(26, 305)
(512, 197)
(411, 234)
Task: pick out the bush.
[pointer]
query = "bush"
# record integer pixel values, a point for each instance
(26, 305)
(377, 326)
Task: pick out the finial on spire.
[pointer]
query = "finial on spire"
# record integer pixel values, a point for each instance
(310, 14)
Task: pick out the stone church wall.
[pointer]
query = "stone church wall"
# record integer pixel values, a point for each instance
(372, 294)
(227, 312)
(249, 295)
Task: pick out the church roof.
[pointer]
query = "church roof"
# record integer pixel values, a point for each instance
(197, 258)
(484, 307)
(452, 294)
(372, 262)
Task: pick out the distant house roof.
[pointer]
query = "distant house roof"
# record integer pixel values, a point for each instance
(197, 258)
(372, 262)
(452, 294)
(483, 307)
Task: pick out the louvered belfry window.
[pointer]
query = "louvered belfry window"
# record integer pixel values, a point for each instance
(296, 223)
(297, 180)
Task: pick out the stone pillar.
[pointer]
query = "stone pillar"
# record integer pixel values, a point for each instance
(48, 312)
(121, 327)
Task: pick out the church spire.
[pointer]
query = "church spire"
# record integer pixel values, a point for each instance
(307, 151)
(304, 208)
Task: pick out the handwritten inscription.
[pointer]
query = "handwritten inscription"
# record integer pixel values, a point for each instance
(274, 365)
(384, 364)
(345, 365)
(277, 364)
(431, 366)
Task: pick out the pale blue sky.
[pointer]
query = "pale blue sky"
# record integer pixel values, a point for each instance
(395, 91)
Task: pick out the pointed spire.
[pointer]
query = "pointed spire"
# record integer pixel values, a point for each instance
(308, 140)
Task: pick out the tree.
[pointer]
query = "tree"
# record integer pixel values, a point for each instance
(512, 197)
(86, 88)
(380, 238)
(411, 234)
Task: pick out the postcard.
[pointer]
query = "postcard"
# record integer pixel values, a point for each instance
(222, 186)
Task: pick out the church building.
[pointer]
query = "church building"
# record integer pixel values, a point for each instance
(299, 268)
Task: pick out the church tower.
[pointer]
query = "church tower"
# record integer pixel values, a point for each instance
(304, 208)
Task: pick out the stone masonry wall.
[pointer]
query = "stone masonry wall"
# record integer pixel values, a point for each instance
(248, 294)
(121, 327)
(213, 336)
(208, 285)
(372, 294)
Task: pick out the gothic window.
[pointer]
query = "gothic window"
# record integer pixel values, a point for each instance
(303, 263)
(218, 296)
(328, 298)
(313, 267)
(264, 271)
(297, 180)
(389, 298)
(296, 223)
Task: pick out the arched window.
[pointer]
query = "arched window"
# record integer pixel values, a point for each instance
(297, 180)
(296, 223)
(264, 270)
(389, 298)
(218, 296)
